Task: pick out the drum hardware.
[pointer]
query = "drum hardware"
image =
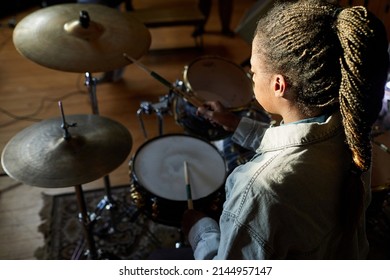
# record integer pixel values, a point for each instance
(189, 96)
(136, 197)
(55, 153)
(161, 108)
(83, 215)
(107, 201)
(86, 221)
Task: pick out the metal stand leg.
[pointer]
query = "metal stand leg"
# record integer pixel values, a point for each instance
(86, 223)
(107, 202)
(90, 83)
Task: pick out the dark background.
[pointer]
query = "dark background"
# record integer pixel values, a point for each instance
(10, 8)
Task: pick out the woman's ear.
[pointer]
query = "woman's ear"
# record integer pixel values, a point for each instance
(279, 85)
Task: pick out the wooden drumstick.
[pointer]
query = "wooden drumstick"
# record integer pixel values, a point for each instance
(188, 187)
(189, 96)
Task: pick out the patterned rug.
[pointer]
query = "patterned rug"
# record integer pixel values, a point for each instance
(119, 232)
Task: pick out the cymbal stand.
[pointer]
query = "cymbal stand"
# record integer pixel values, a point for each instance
(86, 219)
(107, 202)
(160, 108)
(90, 83)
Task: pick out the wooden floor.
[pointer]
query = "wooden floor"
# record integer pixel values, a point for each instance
(29, 93)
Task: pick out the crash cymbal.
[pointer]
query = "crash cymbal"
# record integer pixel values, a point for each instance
(81, 37)
(41, 156)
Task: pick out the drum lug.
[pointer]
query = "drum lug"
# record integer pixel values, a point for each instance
(136, 197)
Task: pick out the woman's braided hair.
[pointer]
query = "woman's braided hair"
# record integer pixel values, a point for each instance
(330, 56)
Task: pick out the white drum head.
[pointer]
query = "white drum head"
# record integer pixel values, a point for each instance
(215, 78)
(159, 167)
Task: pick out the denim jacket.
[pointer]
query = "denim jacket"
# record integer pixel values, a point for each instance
(286, 202)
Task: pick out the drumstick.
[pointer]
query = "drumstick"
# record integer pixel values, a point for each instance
(188, 187)
(193, 99)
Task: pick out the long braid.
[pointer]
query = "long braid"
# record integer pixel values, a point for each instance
(360, 97)
(364, 72)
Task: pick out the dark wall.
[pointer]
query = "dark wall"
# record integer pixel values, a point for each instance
(55, 2)
(10, 8)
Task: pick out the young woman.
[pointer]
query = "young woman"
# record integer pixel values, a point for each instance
(323, 69)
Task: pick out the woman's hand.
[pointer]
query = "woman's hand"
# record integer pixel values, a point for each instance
(217, 114)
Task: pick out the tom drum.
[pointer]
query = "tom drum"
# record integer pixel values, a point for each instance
(212, 78)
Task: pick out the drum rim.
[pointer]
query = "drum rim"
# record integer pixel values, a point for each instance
(202, 57)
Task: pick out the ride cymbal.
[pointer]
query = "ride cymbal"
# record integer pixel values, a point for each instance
(81, 37)
(41, 156)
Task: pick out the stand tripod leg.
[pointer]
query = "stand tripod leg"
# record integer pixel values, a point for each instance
(86, 223)
(107, 202)
(91, 83)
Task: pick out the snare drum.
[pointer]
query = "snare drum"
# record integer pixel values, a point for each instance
(158, 184)
(212, 78)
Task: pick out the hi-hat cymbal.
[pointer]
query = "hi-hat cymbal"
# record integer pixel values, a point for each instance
(40, 156)
(81, 37)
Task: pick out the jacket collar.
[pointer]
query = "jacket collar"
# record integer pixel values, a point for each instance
(298, 134)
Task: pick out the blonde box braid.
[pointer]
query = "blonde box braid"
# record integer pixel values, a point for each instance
(364, 72)
(330, 55)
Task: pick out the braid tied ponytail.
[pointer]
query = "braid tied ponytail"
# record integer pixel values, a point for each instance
(362, 78)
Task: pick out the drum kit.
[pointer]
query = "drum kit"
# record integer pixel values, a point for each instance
(73, 150)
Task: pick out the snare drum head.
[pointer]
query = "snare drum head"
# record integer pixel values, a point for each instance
(215, 78)
(159, 167)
